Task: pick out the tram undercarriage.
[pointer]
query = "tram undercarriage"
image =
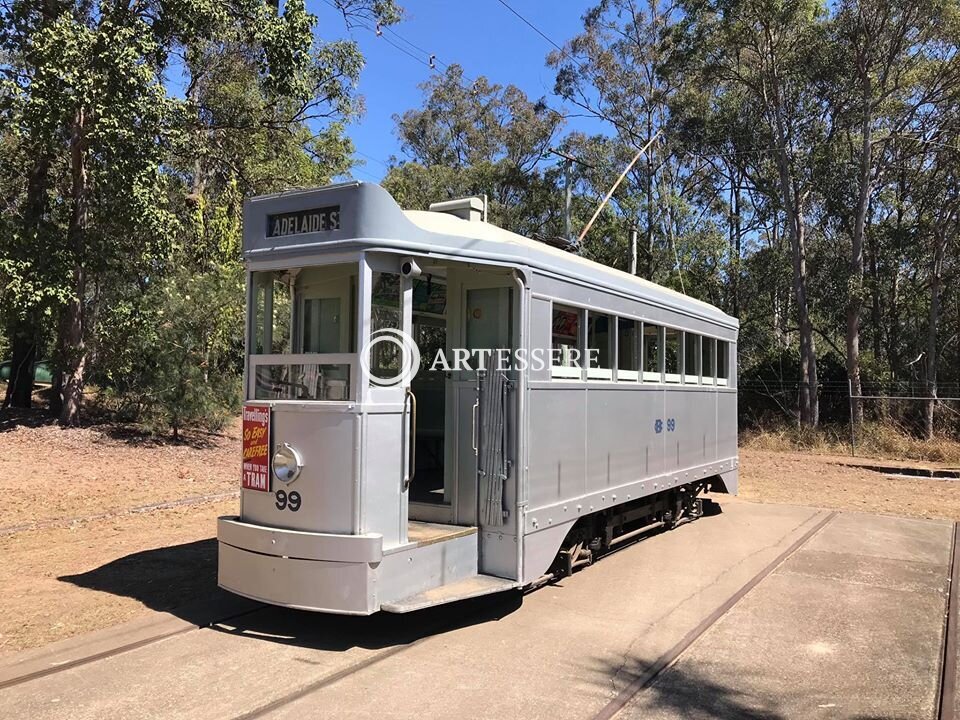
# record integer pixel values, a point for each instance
(600, 533)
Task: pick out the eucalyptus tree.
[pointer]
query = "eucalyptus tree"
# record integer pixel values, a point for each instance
(613, 70)
(771, 54)
(86, 84)
(474, 137)
(894, 67)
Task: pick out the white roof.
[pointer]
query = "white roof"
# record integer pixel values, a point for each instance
(447, 224)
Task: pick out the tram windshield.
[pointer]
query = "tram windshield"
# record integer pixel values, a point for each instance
(303, 330)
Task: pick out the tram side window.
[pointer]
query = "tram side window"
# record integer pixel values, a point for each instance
(691, 358)
(652, 353)
(385, 360)
(567, 353)
(270, 331)
(599, 346)
(672, 349)
(709, 347)
(723, 360)
(628, 350)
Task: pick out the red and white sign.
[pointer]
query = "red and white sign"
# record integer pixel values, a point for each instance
(256, 447)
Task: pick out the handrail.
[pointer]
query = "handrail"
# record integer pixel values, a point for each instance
(473, 433)
(412, 462)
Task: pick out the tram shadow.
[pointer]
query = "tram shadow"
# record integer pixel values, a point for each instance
(318, 631)
(685, 691)
(691, 690)
(181, 580)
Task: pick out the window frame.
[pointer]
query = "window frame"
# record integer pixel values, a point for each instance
(668, 377)
(568, 372)
(692, 378)
(294, 356)
(651, 376)
(643, 375)
(601, 373)
(622, 374)
(724, 380)
(710, 379)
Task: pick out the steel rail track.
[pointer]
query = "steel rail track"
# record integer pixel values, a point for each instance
(119, 650)
(645, 679)
(948, 663)
(450, 620)
(164, 505)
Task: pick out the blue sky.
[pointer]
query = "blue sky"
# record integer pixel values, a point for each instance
(483, 36)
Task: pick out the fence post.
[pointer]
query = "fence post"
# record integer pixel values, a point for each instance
(853, 428)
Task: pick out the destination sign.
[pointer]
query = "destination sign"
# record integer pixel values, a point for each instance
(304, 221)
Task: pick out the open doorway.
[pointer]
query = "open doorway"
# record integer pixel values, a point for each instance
(429, 325)
(455, 308)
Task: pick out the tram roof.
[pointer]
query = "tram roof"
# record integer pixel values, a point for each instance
(369, 215)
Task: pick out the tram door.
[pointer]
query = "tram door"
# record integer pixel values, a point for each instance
(486, 324)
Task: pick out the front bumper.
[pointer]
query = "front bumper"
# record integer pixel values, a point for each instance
(298, 569)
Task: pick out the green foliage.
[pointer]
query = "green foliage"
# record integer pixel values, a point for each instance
(120, 238)
(485, 139)
(805, 174)
(175, 351)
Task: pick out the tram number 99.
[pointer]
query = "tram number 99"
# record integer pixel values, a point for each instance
(289, 501)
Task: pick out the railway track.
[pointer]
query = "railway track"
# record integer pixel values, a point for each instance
(151, 507)
(121, 649)
(948, 662)
(442, 621)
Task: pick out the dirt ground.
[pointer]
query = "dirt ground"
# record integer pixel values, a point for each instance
(843, 483)
(79, 550)
(82, 548)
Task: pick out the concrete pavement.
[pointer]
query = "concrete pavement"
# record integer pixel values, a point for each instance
(848, 626)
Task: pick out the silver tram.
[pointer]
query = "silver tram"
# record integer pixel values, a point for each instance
(557, 407)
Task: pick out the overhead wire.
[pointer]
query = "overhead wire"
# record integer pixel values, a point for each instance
(432, 61)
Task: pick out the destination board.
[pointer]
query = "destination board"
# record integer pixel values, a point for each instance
(322, 219)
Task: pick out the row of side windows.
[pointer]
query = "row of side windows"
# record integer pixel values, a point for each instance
(606, 347)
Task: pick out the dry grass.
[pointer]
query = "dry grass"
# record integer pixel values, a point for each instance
(873, 440)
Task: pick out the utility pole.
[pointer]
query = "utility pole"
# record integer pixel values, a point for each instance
(568, 161)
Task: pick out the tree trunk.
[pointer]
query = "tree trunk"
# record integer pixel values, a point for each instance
(855, 283)
(72, 346)
(735, 241)
(24, 330)
(876, 311)
(649, 197)
(809, 388)
(793, 206)
(24, 353)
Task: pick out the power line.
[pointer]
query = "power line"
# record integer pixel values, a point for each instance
(371, 157)
(533, 27)
(432, 60)
(378, 31)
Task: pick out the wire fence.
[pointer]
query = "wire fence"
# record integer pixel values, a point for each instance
(907, 406)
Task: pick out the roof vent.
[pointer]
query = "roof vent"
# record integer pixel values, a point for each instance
(471, 208)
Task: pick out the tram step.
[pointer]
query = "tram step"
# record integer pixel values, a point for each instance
(470, 587)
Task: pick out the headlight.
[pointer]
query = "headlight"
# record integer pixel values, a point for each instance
(287, 464)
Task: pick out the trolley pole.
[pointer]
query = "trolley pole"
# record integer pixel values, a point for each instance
(633, 250)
